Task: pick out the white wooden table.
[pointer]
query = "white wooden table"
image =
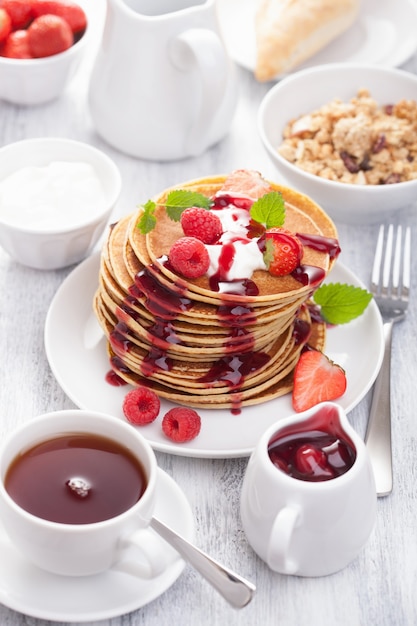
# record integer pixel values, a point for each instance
(379, 587)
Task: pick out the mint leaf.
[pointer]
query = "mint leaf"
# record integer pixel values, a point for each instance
(269, 210)
(181, 199)
(340, 303)
(147, 221)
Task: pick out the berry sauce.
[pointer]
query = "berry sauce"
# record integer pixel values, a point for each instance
(315, 450)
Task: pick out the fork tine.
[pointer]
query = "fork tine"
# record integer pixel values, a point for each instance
(387, 260)
(407, 262)
(397, 260)
(377, 260)
(391, 270)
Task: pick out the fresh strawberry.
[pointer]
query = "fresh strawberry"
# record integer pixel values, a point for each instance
(141, 406)
(316, 379)
(283, 251)
(181, 424)
(5, 25)
(48, 35)
(16, 46)
(202, 224)
(69, 11)
(20, 12)
(189, 257)
(246, 182)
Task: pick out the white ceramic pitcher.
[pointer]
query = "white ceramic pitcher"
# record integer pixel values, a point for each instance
(163, 86)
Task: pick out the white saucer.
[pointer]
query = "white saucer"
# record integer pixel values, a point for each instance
(384, 33)
(76, 351)
(34, 592)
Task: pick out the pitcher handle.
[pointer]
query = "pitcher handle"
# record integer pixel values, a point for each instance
(202, 49)
(278, 557)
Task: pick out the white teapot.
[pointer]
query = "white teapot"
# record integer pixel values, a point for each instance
(163, 86)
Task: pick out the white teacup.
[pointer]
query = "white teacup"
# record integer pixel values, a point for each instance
(301, 527)
(123, 542)
(163, 86)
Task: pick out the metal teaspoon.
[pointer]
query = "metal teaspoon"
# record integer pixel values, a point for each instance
(235, 589)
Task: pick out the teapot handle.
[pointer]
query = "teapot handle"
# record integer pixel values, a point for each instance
(202, 49)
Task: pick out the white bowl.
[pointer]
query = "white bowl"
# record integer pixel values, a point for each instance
(310, 89)
(55, 246)
(37, 81)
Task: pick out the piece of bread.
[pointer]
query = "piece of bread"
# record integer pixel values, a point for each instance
(290, 31)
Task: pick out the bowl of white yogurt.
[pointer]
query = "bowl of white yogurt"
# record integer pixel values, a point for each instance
(56, 198)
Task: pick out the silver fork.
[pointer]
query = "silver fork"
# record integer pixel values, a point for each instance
(390, 286)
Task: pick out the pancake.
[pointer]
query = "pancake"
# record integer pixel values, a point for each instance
(198, 343)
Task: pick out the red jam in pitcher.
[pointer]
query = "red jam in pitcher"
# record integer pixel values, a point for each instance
(315, 449)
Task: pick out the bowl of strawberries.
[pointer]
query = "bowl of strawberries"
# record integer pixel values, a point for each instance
(41, 46)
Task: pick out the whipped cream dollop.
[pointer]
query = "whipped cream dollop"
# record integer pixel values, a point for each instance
(59, 195)
(246, 257)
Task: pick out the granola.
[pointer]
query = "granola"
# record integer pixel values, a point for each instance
(356, 142)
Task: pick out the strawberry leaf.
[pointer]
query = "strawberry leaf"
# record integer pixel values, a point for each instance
(269, 210)
(147, 221)
(181, 199)
(340, 303)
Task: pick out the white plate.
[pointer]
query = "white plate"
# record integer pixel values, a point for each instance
(32, 591)
(76, 350)
(384, 33)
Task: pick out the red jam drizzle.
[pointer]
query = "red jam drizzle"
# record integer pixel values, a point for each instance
(233, 369)
(224, 200)
(315, 450)
(114, 379)
(328, 245)
(309, 274)
(301, 332)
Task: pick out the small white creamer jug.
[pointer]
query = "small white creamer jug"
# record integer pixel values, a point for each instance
(308, 501)
(162, 86)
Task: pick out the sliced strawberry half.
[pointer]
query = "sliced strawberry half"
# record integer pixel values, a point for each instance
(283, 251)
(316, 379)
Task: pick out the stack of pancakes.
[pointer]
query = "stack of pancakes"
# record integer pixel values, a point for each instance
(194, 345)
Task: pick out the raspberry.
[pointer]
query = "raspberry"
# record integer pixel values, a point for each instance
(189, 257)
(181, 424)
(202, 224)
(141, 406)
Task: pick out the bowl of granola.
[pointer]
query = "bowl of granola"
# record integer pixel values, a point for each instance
(345, 135)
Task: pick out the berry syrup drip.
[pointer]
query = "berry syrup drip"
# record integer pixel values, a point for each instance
(114, 379)
(118, 366)
(233, 369)
(154, 361)
(236, 315)
(244, 287)
(238, 318)
(310, 274)
(315, 313)
(224, 200)
(162, 302)
(119, 338)
(316, 450)
(320, 243)
(301, 332)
